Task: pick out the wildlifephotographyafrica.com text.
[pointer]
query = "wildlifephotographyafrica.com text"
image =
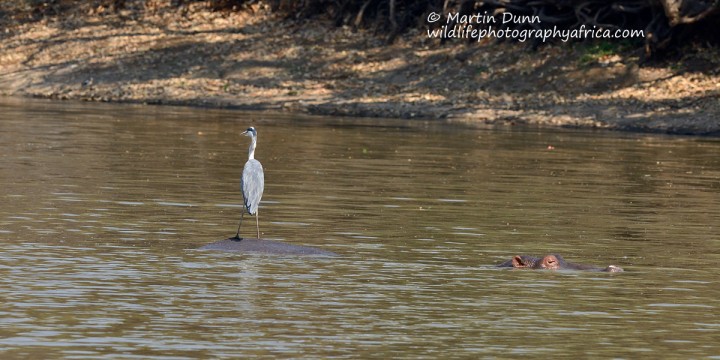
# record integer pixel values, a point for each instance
(483, 26)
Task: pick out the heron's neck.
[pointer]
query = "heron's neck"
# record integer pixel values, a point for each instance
(251, 151)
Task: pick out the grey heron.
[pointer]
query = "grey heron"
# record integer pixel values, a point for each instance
(252, 182)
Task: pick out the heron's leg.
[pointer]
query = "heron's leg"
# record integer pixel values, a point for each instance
(237, 236)
(257, 222)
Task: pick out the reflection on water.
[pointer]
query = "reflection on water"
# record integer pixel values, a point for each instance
(103, 206)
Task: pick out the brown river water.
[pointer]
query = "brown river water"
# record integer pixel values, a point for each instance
(104, 206)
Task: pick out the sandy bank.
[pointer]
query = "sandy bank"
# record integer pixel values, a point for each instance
(257, 61)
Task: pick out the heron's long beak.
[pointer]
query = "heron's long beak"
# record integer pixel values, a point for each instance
(244, 132)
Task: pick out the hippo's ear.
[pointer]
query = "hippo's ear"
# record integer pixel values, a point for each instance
(518, 262)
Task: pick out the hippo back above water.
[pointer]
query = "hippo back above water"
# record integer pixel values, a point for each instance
(263, 246)
(552, 262)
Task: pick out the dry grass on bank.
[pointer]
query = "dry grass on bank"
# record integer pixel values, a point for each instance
(255, 59)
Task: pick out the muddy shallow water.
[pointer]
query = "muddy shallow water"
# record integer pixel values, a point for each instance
(104, 206)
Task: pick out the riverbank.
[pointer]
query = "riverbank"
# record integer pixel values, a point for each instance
(255, 60)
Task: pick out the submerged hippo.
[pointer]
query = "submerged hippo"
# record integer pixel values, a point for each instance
(552, 262)
(262, 246)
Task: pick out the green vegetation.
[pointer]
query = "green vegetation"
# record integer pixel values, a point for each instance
(604, 48)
